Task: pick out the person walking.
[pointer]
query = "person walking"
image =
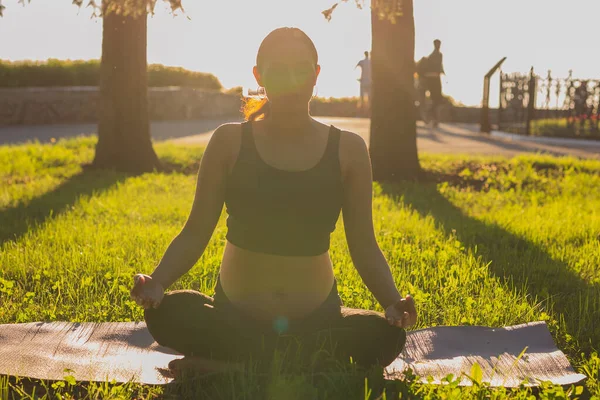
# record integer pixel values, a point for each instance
(431, 71)
(365, 82)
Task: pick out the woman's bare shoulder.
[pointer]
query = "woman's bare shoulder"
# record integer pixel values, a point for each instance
(226, 141)
(351, 143)
(227, 132)
(353, 154)
(353, 147)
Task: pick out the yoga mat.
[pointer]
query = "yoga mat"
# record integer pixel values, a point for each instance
(125, 351)
(444, 350)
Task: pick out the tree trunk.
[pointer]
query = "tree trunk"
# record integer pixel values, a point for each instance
(124, 141)
(393, 140)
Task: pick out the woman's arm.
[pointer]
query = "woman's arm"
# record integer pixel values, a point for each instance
(189, 244)
(358, 221)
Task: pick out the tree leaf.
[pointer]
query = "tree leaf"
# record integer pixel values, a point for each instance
(123, 7)
(327, 13)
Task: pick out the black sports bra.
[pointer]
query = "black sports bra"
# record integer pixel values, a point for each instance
(282, 212)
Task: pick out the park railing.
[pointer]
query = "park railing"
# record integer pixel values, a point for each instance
(549, 106)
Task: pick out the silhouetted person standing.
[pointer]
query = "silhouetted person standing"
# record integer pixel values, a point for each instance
(365, 80)
(433, 70)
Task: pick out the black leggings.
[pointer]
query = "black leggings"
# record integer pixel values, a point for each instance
(195, 324)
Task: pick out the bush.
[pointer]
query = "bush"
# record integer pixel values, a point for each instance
(159, 75)
(561, 127)
(237, 90)
(339, 107)
(87, 73)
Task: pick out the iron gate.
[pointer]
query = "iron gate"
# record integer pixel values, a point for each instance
(534, 105)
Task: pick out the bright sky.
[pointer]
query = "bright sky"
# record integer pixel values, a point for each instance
(223, 36)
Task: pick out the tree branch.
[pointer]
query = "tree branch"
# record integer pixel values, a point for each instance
(385, 9)
(124, 7)
(327, 13)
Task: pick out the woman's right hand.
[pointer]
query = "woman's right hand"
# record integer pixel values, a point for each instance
(147, 292)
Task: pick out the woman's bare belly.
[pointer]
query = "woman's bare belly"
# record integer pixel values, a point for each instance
(268, 286)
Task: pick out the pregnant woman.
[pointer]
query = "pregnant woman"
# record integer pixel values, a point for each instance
(284, 179)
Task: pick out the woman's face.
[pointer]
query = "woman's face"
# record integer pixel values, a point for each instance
(290, 74)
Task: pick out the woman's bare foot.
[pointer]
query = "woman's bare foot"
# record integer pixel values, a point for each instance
(200, 366)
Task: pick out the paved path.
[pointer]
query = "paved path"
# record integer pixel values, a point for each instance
(447, 138)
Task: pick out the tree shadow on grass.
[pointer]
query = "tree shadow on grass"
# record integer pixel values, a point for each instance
(517, 260)
(17, 221)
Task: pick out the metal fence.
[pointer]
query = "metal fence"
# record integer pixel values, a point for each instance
(549, 106)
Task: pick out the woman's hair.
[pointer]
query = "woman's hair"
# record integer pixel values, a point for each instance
(255, 109)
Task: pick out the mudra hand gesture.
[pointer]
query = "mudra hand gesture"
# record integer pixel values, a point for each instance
(403, 313)
(147, 292)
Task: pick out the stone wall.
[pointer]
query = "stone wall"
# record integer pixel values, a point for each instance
(33, 106)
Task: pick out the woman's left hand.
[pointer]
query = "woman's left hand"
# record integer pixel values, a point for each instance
(403, 313)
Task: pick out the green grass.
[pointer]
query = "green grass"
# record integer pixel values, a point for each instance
(561, 128)
(487, 241)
